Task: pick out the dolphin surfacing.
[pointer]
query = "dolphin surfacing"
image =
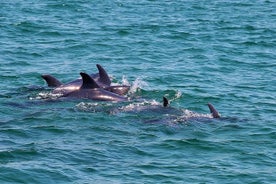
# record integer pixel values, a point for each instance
(51, 81)
(91, 90)
(101, 78)
(213, 111)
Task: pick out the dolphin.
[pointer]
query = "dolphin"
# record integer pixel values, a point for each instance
(213, 111)
(101, 78)
(165, 102)
(91, 90)
(51, 81)
(171, 113)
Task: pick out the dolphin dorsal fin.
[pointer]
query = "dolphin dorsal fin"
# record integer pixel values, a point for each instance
(88, 82)
(51, 81)
(213, 111)
(103, 76)
(165, 102)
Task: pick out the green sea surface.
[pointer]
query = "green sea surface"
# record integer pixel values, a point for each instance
(192, 52)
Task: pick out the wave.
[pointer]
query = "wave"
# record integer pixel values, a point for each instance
(46, 96)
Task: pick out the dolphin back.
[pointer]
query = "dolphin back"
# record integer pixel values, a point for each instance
(103, 76)
(88, 82)
(98, 94)
(213, 111)
(51, 81)
(165, 102)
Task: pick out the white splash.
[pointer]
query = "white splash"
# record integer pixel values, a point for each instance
(138, 106)
(46, 95)
(177, 95)
(86, 106)
(137, 84)
(125, 81)
(191, 114)
(93, 106)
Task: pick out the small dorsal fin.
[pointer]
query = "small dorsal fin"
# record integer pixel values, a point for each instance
(213, 111)
(103, 76)
(165, 102)
(51, 81)
(88, 82)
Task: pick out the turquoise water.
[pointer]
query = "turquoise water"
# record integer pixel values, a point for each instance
(193, 52)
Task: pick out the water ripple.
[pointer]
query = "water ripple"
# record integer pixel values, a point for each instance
(221, 52)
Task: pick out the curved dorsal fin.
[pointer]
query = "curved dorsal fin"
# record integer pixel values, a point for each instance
(165, 102)
(213, 111)
(51, 81)
(88, 82)
(103, 76)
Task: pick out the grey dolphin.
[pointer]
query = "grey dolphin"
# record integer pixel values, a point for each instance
(213, 111)
(164, 108)
(91, 90)
(51, 81)
(165, 102)
(101, 78)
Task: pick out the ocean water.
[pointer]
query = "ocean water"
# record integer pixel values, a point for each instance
(192, 52)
